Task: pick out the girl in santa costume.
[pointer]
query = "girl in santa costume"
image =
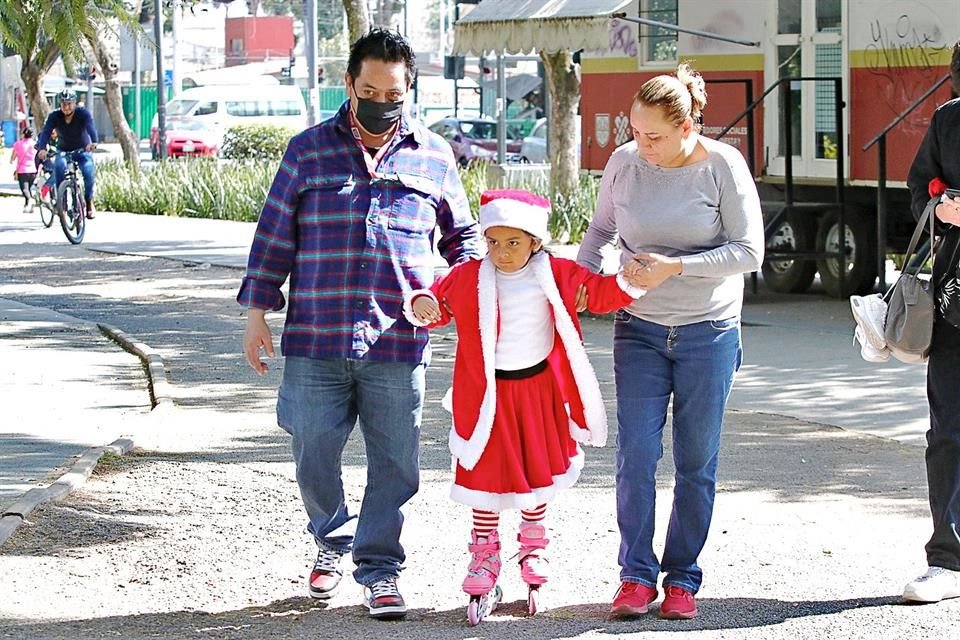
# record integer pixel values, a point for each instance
(524, 394)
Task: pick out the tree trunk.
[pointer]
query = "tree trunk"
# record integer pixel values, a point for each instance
(114, 102)
(358, 22)
(563, 82)
(32, 77)
(33, 71)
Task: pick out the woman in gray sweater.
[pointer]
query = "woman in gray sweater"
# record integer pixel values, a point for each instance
(686, 208)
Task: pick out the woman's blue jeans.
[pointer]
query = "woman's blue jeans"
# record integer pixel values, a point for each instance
(695, 364)
(320, 402)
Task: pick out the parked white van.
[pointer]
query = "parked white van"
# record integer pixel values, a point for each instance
(220, 107)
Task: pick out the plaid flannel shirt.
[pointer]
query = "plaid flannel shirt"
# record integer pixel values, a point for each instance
(353, 233)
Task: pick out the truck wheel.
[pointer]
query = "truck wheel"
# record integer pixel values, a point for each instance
(796, 232)
(861, 256)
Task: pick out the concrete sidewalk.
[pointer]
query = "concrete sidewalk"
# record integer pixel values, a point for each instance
(799, 357)
(67, 390)
(198, 535)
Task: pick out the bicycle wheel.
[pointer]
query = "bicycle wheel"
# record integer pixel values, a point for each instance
(72, 211)
(47, 210)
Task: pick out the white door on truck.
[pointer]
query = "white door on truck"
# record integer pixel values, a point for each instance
(805, 40)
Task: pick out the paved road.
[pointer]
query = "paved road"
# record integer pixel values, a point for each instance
(816, 528)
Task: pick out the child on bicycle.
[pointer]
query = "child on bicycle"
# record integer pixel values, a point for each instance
(24, 153)
(524, 393)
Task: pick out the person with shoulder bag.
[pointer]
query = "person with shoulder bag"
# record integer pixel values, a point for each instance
(936, 170)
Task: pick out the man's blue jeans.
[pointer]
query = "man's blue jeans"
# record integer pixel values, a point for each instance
(696, 364)
(85, 163)
(319, 404)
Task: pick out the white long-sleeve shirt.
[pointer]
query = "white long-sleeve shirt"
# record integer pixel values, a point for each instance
(526, 322)
(707, 212)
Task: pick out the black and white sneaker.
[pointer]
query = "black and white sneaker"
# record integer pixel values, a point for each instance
(326, 574)
(383, 600)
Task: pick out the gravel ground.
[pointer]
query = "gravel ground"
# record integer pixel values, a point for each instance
(200, 534)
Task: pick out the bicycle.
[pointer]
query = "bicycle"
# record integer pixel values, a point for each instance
(46, 206)
(71, 206)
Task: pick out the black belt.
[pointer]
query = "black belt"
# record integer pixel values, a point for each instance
(520, 374)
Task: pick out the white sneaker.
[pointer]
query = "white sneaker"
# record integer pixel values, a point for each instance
(870, 312)
(935, 585)
(867, 351)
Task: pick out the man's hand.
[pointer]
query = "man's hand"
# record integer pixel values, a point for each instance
(42, 155)
(426, 310)
(256, 336)
(91, 146)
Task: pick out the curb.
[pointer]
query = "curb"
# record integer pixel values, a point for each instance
(76, 476)
(160, 389)
(162, 399)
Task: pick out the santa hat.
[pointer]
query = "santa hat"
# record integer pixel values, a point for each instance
(515, 208)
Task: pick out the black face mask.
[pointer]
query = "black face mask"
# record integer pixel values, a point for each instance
(378, 117)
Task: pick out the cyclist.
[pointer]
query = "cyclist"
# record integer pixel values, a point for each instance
(78, 135)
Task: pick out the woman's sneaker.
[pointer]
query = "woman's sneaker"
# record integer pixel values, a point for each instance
(384, 601)
(935, 585)
(326, 574)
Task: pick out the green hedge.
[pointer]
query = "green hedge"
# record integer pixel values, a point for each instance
(192, 187)
(206, 188)
(571, 213)
(256, 142)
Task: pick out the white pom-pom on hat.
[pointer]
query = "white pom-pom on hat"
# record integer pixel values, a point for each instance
(515, 208)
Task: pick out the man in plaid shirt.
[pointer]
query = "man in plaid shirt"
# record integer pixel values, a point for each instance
(350, 220)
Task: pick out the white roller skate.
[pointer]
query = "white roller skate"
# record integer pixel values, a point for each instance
(533, 562)
(481, 581)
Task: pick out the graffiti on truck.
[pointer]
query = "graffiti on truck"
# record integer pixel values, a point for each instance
(905, 54)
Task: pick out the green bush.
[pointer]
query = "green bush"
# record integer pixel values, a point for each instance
(192, 187)
(206, 188)
(256, 142)
(571, 212)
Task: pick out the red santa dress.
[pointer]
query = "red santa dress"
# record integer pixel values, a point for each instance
(515, 442)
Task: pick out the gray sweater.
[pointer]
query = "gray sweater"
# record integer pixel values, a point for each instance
(708, 213)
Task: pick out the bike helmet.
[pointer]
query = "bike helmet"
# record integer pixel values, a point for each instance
(67, 95)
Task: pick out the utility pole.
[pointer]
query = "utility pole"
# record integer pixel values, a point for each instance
(310, 44)
(175, 67)
(136, 80)
(161, 89)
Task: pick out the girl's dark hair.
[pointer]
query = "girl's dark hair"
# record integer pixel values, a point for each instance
(387, 46)
(682, 94)
(28, 133)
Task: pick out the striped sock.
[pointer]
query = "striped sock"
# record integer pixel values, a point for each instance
(485, 521)
(534, 515)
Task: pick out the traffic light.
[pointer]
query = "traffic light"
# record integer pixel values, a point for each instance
(321, 77)
(454, 67)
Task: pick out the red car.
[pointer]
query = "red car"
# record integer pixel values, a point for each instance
(186, 137)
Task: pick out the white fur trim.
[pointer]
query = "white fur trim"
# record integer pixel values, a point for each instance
(408, 297)
(506, 212)
(629, 289)
(468, 452)
(503, 501)
(583, 373)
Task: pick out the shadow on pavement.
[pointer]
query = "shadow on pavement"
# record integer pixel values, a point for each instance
(306, 618)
